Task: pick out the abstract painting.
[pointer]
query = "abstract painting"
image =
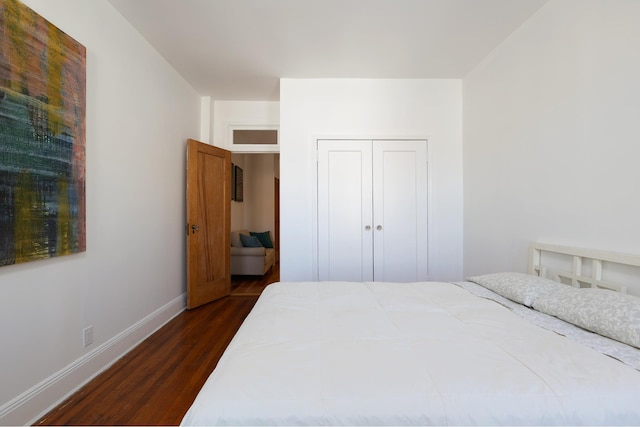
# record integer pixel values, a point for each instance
(42, 138)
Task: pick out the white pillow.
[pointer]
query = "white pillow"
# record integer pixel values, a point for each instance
(518, 287)
(602, 311)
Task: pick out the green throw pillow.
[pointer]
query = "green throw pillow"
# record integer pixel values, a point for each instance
(250, 241)
(264, 238)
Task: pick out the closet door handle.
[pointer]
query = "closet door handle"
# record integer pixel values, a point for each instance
(379, 227)
(367, 227)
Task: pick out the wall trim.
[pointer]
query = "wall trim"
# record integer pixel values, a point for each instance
(46, 395)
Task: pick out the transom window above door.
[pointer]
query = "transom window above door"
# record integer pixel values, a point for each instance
(253, 138)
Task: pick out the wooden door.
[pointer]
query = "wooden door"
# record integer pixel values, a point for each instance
(400, 211)
(208, 223)
(344, 210)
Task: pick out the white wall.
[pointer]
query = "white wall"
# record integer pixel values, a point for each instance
(131, 278)
(551, 136)
(227, 113)
(206, 116)
(256, 212)
(341, 108)
(260, 197)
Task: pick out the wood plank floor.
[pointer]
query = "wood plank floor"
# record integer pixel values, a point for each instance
(156, 382)
(254, 285)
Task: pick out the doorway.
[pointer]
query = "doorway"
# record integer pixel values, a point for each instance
(259, 209)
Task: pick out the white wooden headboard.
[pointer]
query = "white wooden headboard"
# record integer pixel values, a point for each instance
(586, 269)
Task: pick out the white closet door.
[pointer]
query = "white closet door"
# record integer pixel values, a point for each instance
(345, 249)
(400, 211)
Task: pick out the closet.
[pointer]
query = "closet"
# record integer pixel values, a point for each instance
(372, 210)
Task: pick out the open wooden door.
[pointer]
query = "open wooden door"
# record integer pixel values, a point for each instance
(208, 223)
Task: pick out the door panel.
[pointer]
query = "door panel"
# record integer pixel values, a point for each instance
(344, 211)
(208, 223)
(400, 211)
(372, 210)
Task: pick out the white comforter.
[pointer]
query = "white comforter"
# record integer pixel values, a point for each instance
(396, 354)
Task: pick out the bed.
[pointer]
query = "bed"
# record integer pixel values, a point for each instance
(496, 349)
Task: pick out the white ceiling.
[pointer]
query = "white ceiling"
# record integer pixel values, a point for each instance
(239, 49)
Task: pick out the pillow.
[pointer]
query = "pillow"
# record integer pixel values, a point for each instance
(264, 238)
(235, 238)
(518, 287)
(602, 311)
(250, 241)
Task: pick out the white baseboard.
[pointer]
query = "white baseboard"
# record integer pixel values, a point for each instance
(34, 403)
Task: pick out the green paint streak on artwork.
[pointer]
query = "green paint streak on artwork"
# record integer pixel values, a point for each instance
(63, 220)
(25, 199)
(55, 64)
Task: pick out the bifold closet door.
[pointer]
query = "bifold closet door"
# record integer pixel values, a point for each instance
(345, 246)
(372, 210)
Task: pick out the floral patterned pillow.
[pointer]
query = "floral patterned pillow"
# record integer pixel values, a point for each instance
(518, 287)
(604, 312)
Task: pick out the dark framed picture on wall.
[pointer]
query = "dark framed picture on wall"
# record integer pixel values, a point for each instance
(238, 187)
(233, 181)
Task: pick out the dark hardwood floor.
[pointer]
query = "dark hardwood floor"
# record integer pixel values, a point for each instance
(156, 382)
(254, 285)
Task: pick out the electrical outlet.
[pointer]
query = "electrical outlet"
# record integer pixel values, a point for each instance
(87, 336)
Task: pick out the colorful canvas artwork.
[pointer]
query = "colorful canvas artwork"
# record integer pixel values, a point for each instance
(42, 138)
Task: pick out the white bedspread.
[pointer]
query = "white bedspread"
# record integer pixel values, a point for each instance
(396, 354)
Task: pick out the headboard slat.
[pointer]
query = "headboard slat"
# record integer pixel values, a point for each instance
(576, 276)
